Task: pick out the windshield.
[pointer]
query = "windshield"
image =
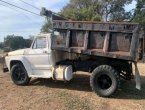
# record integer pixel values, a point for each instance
(39, 43)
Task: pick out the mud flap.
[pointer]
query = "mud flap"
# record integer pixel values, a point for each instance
(137, 77)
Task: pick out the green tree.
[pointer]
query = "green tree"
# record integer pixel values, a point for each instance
(96, 10)
(27, 43)
(139, 12)
(16, 42)
(85, 10)
(1, 45)
(114, 10)
(47, 27)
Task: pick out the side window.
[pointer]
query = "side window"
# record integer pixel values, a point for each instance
(40, 43)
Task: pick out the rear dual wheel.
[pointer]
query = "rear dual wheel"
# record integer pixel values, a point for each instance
(105, 81)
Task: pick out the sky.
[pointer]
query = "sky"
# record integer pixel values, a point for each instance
(18, 22)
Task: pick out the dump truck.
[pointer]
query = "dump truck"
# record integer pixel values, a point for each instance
(106, 50)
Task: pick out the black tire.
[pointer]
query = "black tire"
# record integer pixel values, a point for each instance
(19, 75)
(105, 81)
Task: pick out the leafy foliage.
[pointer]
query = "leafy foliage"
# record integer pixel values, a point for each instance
(1, 45)
(85, 10)
(16, 42)
(47, 27)
(101, 10)
(139, 12)
(93, 10)
(96, 10)
(114, 10)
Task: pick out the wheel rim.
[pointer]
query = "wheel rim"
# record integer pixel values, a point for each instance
(19, 74)
(104, 82)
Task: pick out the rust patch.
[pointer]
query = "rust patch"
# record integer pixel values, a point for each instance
(77, 38)
(120, 42)
(60, 40)
(96, 40)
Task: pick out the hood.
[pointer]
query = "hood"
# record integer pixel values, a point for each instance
(17, 52)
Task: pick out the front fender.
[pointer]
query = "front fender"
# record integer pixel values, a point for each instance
(19, 58)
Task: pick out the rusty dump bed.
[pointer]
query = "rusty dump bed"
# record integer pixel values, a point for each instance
(115, 40)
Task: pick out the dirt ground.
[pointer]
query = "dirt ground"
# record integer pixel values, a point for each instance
(46, 94)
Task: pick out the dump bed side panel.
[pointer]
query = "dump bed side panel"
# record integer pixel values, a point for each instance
(115, 40)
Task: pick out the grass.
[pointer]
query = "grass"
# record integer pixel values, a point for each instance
(72, 102)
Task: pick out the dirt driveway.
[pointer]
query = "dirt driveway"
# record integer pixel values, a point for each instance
(77, 95)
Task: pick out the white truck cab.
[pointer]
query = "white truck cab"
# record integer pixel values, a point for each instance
(37, 61)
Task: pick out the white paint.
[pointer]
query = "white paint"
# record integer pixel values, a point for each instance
(137, 77)
(38, 62)
(68, 73)
(62, 73)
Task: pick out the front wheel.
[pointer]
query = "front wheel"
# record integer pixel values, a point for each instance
(19, 75)
(105, 81)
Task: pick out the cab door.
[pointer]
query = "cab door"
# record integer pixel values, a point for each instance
(39, 54)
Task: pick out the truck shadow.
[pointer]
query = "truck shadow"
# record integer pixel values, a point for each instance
(128, 90)
(81, 83)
